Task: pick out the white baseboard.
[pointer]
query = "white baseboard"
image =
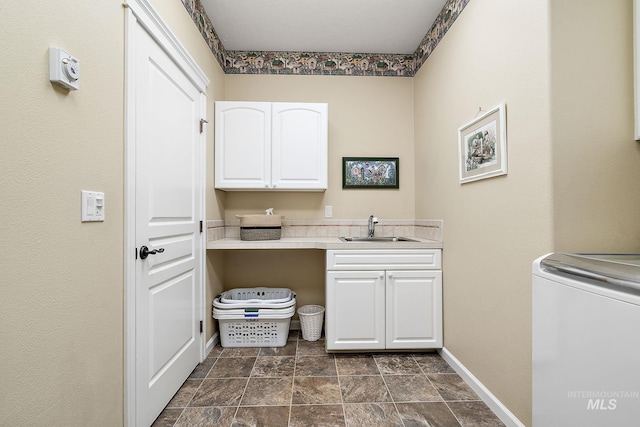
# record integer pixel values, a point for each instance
(487, 397)
(211, 343)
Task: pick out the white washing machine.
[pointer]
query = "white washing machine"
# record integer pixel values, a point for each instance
(586, 340)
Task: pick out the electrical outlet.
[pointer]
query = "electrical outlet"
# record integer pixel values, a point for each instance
(328, 211)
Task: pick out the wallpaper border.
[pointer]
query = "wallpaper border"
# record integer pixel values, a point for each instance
(324, 63)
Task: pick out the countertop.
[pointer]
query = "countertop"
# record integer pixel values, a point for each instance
(319, 243)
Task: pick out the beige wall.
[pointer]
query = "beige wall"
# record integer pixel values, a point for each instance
(300, 270)
(368, 116)
(596, 173)
(61, 310)
(61, 307)
(495, 52)
(564, 70)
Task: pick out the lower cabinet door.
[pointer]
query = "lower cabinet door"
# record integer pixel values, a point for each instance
(355, 317)
(413, 309)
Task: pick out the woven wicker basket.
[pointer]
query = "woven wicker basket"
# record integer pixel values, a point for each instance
(260, 233)
(260, 227)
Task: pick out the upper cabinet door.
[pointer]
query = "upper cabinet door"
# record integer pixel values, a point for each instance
(299, 146)
(243, 145)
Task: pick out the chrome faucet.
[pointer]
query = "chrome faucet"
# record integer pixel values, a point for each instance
(372, 225)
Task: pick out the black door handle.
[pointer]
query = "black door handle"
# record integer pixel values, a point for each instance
(145, 252)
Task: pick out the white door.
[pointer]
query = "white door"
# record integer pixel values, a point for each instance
(355, 310)
(243, 145)
(299, 146)
(168, 198)
(414, 309)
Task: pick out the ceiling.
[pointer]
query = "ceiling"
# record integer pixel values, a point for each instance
(358, 26)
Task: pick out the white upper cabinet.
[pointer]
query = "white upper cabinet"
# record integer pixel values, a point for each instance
(271, 146)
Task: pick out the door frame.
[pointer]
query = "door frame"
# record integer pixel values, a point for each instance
(140, 12)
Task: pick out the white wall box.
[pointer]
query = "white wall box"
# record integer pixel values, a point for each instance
(273, 146)
(384, 299)
(64, 69)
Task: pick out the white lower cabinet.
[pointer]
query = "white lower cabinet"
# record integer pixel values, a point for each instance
(397, 306)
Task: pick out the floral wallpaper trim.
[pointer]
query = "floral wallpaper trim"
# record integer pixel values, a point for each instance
(324, 64)
(315, 63)
(448, 15)
(202, 21)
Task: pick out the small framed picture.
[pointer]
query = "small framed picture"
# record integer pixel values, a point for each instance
(370, 172)
(483, 146)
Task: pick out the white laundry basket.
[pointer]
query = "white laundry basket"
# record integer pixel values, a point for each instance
(311, 320)
(254, 317)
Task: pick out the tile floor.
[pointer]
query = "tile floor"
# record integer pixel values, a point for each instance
(301, 385)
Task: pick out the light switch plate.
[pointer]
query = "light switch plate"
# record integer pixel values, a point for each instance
(92, 206)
